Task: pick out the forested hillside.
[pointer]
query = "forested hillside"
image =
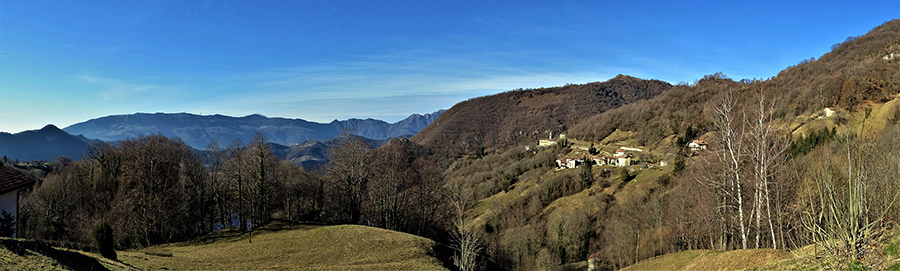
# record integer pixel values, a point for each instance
(774, 157)
(775, 161)
(494, 123)
(857, 70)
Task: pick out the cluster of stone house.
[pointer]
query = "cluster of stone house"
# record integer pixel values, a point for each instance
(546, 142)
(621, 158)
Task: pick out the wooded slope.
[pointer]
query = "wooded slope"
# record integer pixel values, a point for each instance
(499, 121)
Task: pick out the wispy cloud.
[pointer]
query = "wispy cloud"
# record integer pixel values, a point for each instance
(113, 89)
(382, 76)
(388, 86)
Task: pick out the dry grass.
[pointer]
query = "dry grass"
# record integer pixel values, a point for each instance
(578, 201)
(619, 137)
(755, 260)
(715, 260)
(345, 247)
(18, 254)
(28, 260)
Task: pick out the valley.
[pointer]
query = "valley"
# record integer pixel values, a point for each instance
(798, 171)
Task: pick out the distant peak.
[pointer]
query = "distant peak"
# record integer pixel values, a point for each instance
(50, 127)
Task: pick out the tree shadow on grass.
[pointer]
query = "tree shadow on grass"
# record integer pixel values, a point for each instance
(72, 260)
(233, 234)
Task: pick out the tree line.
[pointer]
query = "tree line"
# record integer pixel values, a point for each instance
(153, 189)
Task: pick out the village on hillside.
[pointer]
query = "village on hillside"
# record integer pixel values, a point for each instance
(620, 155)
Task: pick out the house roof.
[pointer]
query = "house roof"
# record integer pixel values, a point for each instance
(11, 180)
(699, 142)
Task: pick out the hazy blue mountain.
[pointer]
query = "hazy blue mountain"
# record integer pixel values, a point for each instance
(313, 154)
(199, 130)
(43, 144)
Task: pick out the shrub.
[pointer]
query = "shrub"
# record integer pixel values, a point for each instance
(103, 240)
(664, 180)
(896, 118)
(892, 251)
(625, 176)
(7, 224)
(679, 165)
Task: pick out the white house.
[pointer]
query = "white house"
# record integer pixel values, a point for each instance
(828, 111)
(544, 142)
(697, 145)
(12, 184)
(620, 159)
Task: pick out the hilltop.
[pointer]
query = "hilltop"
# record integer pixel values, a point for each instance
(494, 123)
(44, 144)
(283, 246)
(857, 70)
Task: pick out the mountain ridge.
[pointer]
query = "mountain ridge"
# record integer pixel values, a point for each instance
(199, 130)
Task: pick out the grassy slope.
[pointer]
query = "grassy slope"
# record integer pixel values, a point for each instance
(282, 247)
(769, 259)
(757, 260)
(713, 260)
(18, 254)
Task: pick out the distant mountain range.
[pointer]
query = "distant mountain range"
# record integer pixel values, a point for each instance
(303, 142)
(313, 154)
(198, 131)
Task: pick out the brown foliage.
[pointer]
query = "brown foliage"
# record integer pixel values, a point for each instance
(495, 122)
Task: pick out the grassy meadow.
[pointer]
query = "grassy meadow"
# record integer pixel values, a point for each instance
(277, 246)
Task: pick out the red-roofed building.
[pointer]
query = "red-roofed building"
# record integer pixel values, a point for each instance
(12, 184)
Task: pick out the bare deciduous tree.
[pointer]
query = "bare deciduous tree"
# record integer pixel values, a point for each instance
(766, 149)
(350, 173)
(728, 181)
(465, 240)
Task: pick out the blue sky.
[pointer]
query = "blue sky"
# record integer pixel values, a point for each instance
(64, 62)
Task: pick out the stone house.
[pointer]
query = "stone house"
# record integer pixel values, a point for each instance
(697, 145)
